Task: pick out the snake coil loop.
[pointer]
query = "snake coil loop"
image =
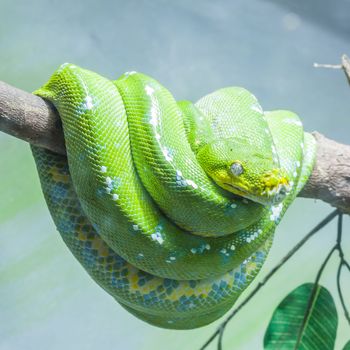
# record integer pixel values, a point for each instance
(170, 206)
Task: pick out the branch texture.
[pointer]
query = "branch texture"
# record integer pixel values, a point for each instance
(30, 118)
(330, 179)
(36, 121)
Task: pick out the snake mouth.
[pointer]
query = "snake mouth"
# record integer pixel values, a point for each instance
(272, 196)
(239, 190)
(247, 195)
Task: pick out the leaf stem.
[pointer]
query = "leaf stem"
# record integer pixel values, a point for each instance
(312, 296)
(340, 293)
(342, 263)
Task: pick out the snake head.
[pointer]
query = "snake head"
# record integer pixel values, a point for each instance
(244, 170)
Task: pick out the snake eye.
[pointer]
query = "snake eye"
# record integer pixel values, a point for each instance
(236, 169)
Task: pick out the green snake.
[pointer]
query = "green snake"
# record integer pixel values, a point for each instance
(171, 207)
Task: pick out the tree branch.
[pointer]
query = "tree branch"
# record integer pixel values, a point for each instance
(330, 178)
(30, 118)
(36, 121)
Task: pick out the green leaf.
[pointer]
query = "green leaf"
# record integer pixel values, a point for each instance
(296, 324)
(347, 346)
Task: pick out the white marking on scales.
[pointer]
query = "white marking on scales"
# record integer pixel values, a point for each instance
(256, 107)
(293, 121)
(192, 183)
(130, 73)
(167, 154)
(88, 102)
(154, 116)
(157, 237)
(149, 90)
(276, 212)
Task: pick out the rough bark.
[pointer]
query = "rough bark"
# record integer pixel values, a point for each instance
(330, 178)
(36, 121)
(30, 118)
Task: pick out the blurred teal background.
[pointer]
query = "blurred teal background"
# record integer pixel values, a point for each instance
(47, 301)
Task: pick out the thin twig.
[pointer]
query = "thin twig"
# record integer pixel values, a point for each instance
(345, 66)
(340, 293)
(342, 263)
(318, 227)
(221, 334)
(346, 264)
(325, 65)
(339, 235)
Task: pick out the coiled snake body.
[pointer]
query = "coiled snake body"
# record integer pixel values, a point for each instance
(170, 206)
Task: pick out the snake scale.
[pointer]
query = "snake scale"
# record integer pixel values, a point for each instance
(171, 207)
